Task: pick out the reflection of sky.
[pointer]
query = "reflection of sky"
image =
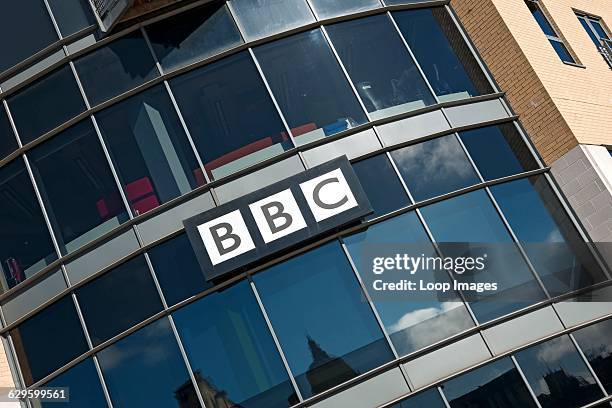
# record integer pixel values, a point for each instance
(477, 378)
(316, 294)
(145, 368)
(595, 340)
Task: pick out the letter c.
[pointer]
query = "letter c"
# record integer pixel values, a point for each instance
(317, 199)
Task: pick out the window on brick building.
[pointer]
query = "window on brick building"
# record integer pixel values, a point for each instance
(598, 34)
(550, 33)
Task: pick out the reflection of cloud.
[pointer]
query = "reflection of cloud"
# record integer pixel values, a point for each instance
(595, 336)
(430, 324)
(541, 387)
(149, 348)
(555, 349)
(555, 236)
(436, 159)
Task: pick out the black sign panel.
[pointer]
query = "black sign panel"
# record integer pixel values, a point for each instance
(277, 217)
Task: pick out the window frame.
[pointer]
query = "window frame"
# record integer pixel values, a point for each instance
(605, 46)
(556, 38)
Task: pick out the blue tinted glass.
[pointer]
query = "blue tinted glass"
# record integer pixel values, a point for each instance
(540, 18)
(434, 167)
(228, 343)
(109, 304)
(549, 237)
(87, 204)
(590, 32)
(471, 225)
(146, 370)
(8, 143)
(561, 51)
(177, 269)
(333, 8)
(599, 29)
(451, 70)
(192, 36)
(115, 68)
(558, 375)
(83, 385)
(230, 115)
(427, 399)
(381, 184)
(25, 243)
(312, 91)
(42, 98)
(311, 300)
(411, 323)
(386, 77)
(498, 151)
(48, 340)
(71, 16)
(498, 385)
(596, 343)
(149, 149)
(18, 41)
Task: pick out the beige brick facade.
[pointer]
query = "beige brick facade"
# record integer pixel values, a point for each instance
(560, 105)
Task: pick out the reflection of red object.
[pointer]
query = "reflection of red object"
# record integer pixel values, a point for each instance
(300, 130)
(15, 270)
(199, 176)
(110, 206)
(141, 195)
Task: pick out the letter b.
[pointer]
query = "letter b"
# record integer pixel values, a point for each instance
(277, 215)
(226, 237)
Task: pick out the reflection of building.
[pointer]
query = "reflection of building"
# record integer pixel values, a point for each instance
(499, 392)
(575, 391)
(213, 398)
(325, 370)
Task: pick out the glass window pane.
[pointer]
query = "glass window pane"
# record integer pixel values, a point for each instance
(177, 269)
(312, 92)
(596, 344)
(451, 70)
(427, 399)
(434, 167)
(149, 149)
(110, 304)
(227, 342)
(498, 385)
(25, 244)
(18, 40)
(561, 51)
(498, 151)
(556, 249)
(192, 36)
(599, 29)
(83, 387)
(71, 16)
(381, 184)
(266, 17)
(230, 115)
(558, 375)
(540, 18)
(411, 323)
(386, 77)
(48, 340)
(87, 204)
(333, 8)
(589, 31)
(116, 68)
(336, 336)
(43, 97)
(471, 226)
(146, 369)
(8, 143)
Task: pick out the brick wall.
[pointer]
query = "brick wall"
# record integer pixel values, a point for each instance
(560, 105)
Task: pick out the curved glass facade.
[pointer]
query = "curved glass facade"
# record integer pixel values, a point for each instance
(107, 150)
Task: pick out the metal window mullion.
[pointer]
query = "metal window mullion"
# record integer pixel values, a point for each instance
(501, 214)
(525, 382)
(271, 95)
(472, 48)
(241, 30)
(443, 396)
(102, 380)
(414, 60)
(275, 339)
(53, 21)
(570, 213)
(429, 234)
(379, 321)
(345, 72)
(588, 364)
(12, 123)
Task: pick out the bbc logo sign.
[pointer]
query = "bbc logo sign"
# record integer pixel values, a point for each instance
(287, 213)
